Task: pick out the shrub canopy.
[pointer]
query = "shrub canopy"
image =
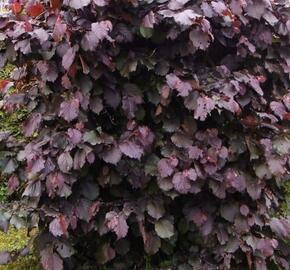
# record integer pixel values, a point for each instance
(155, 127)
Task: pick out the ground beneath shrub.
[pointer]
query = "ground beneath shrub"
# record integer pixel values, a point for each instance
(14, 240)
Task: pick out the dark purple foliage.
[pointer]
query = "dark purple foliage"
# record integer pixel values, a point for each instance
(156, 127)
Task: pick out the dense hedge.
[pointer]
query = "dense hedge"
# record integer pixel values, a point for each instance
(158, 131)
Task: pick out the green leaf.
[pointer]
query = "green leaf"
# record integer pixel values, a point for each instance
(146, 32)
(155, 209)
(282, 145)
(164, 228)
(92, 138)
(151, 165)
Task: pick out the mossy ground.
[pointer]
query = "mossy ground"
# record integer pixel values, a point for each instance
(11, 121)
(6, 71)
(15, 240)
(286, 204)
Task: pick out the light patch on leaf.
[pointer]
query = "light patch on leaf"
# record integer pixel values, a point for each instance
(164, 228)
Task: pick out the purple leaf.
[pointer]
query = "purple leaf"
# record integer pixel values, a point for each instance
(199, 39)
(244, 210)
(278, 108)
(257, 9)
(183, 18)
(96, 105)
(65, 162)
(207, 9)
(219, 7)
(50, 260)
(198, 216)
(32, 124)
(234, 179)
(54, 182)
(229, 211)
(74, 135)
(207, 227)
(286, 98)
(101, 3)
(131, 149)
(276, 165)
(64, 249)
(230, 105)
(58, 226)
(77, 4)
(254, 188)
(195, 152)
(48, 71)
(149, 20)
(218, 189)
(33, 190)
(260, 264)
(183, 88)
(99, 32)
(156, 121)
(112, 98)
(112, 155)
(13, 184)
(83, 210)
(177, 4)
(59, 30)
(280, 226)
(117, 223)
(152, 244)
(5, 257)
(79, 159)
(35, 166)
(10, 166)
(69, 110)
(181, 140)
(255, 84)
(69, 57)
(41, 35)
(266, 246)
(130, 105)
(241, 225)
(145, 137)
(182, 181)
(204, 107)
(166, 166)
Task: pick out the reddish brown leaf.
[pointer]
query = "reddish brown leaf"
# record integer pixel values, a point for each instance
(72, 70)
(3, 84)
(55, 4)
(250, 121)
(35, 10)
(16, 8)
(286, 116)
